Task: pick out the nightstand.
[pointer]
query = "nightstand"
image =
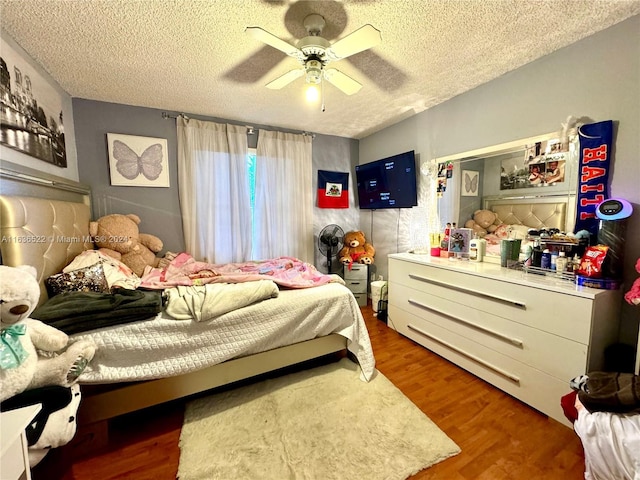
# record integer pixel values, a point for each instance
(15, 456)
(357, 280)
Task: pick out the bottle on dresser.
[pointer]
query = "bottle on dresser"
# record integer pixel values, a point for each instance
(444, 245)
(561, 263)
(477, 248)
(576, 262)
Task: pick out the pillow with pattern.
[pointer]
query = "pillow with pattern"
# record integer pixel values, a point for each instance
(88, 279)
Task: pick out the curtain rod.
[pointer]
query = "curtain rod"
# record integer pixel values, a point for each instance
(250, 129)
(166, 116)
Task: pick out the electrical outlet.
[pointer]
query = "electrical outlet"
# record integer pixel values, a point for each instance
(380, 277)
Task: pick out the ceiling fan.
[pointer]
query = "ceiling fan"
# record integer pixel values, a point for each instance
(315, 52)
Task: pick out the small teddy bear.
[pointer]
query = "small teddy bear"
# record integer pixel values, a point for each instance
(356, 249)
(118, 236)
(21, 338)
(483, 222)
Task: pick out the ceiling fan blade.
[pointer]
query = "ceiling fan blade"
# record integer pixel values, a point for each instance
(270, 39)
(344, 82)
(362, 39)
(285, 79)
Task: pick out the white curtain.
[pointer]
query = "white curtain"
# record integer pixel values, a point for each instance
(283, 222)
(214, 190)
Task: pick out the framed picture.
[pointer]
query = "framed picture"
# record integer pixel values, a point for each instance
(138, 161)
(31, 110)
(459, 240)
(470, 181)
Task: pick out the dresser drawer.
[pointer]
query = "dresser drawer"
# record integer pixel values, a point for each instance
(532, 386)
(356, 286)
(361, 298)
(555, 355)
(358, 271)
(565, 315)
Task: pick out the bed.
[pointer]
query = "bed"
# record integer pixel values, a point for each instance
(158, 359)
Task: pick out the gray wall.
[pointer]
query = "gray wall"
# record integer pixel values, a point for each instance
(594, 79)
(159, 208)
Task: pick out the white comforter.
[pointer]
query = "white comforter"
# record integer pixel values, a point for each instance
(164, 347)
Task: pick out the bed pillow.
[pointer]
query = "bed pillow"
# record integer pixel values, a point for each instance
(502, 231)
(519, 231)
(88, 279)
(117, 273)
(511, 231)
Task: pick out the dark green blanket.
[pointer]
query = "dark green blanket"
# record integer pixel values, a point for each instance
(74, 312)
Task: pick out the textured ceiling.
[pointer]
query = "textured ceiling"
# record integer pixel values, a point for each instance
(193, 56)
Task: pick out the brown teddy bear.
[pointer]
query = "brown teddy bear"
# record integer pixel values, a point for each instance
(118, 236)
(484, 221)
(356, 249)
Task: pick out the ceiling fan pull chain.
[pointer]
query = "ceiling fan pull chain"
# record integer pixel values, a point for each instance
(321, 96)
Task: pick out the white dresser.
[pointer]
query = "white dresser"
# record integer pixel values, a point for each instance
(15, 454)
(356, 278)
(526, 334)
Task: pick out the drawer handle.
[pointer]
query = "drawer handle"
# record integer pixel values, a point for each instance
(515, 341)
(495, 298)
(498, 370)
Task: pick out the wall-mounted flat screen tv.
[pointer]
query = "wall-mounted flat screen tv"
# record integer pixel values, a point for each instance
(388, 183)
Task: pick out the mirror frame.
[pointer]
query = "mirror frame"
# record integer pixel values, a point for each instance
(568, 193)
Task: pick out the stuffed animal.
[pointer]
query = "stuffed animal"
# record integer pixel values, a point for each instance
(483, 222)
(633, 295)
(55, 424)
(118, 236)
(32, 353)
(60, 426)
(356, 249)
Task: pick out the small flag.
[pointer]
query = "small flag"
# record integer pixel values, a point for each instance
(333, 189)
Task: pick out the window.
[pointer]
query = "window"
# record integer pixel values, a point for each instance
(239, 203)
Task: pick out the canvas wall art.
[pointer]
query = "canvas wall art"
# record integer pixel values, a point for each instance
(138, 161)
(470, 181)
(31, 110)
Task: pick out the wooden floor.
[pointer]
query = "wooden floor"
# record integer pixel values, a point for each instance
(500, 437)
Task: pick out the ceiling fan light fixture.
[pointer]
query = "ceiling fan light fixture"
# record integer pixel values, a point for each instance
(312, 94)
(314, 53)
(313, 69)
(313, 46)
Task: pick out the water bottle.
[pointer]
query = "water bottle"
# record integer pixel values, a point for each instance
(545, 261)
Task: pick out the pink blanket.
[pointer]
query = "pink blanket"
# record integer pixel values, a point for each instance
(186, 270)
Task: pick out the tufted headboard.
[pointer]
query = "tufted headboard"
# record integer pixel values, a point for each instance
(45, 233)
(534, 213)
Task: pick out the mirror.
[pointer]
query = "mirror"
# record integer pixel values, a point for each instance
(529, 183)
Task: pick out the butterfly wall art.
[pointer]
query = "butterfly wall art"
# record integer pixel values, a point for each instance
(138, 161)
(470, 181)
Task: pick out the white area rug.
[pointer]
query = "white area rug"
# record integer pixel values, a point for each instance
(323, 424)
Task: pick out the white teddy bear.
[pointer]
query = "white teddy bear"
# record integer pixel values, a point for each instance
(32, 353)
